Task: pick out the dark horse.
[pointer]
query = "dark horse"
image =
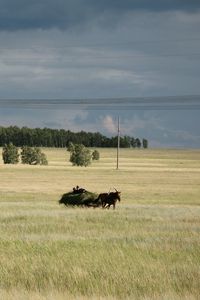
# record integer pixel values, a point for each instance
(108, 199)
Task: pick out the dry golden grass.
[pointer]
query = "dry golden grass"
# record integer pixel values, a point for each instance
(148, 248)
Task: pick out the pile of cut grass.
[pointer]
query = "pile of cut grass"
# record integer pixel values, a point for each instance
(81, 199)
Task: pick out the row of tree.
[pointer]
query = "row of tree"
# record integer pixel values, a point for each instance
(46, 137)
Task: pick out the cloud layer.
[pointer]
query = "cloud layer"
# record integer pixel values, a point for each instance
(63, 14)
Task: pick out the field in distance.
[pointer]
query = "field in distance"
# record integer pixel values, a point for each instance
(148, 248)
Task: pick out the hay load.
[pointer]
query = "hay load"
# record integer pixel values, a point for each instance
(80, 197)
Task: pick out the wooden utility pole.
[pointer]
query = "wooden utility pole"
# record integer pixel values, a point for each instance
(118, 141)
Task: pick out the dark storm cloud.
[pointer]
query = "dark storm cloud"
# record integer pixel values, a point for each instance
(45, 14)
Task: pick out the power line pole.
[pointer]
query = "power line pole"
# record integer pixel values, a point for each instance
(118, 141)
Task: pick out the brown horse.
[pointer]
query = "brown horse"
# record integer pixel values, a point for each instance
(108, 199)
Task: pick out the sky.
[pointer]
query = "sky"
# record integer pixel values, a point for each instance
(89, 49)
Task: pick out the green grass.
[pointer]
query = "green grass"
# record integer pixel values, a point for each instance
(148, 248)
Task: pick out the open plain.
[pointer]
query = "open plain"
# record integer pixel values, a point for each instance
(148, 248)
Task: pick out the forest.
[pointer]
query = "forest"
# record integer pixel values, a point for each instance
(60, 138)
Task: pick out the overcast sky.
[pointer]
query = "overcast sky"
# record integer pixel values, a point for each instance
(100, 49)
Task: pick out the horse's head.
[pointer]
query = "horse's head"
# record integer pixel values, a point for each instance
(117, 195)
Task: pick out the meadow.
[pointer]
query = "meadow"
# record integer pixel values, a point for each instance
(148, 248)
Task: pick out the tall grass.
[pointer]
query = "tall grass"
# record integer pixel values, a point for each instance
(148, 248)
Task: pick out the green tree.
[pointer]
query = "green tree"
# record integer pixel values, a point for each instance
(79, 155)
(33, 156)
(95, 155)
(46, 137)
(10, 154)
(145, 143)
(138, 143)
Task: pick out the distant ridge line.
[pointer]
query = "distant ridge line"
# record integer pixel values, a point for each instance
(184, 102)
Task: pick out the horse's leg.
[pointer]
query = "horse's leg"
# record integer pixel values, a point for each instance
(114, 203)
(104, 205)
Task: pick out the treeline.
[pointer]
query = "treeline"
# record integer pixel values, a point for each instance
(60, 138)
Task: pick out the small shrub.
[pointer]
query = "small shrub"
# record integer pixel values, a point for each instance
(43, 159)
(95, 155)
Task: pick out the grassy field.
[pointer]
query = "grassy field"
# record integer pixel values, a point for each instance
(148, 248)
